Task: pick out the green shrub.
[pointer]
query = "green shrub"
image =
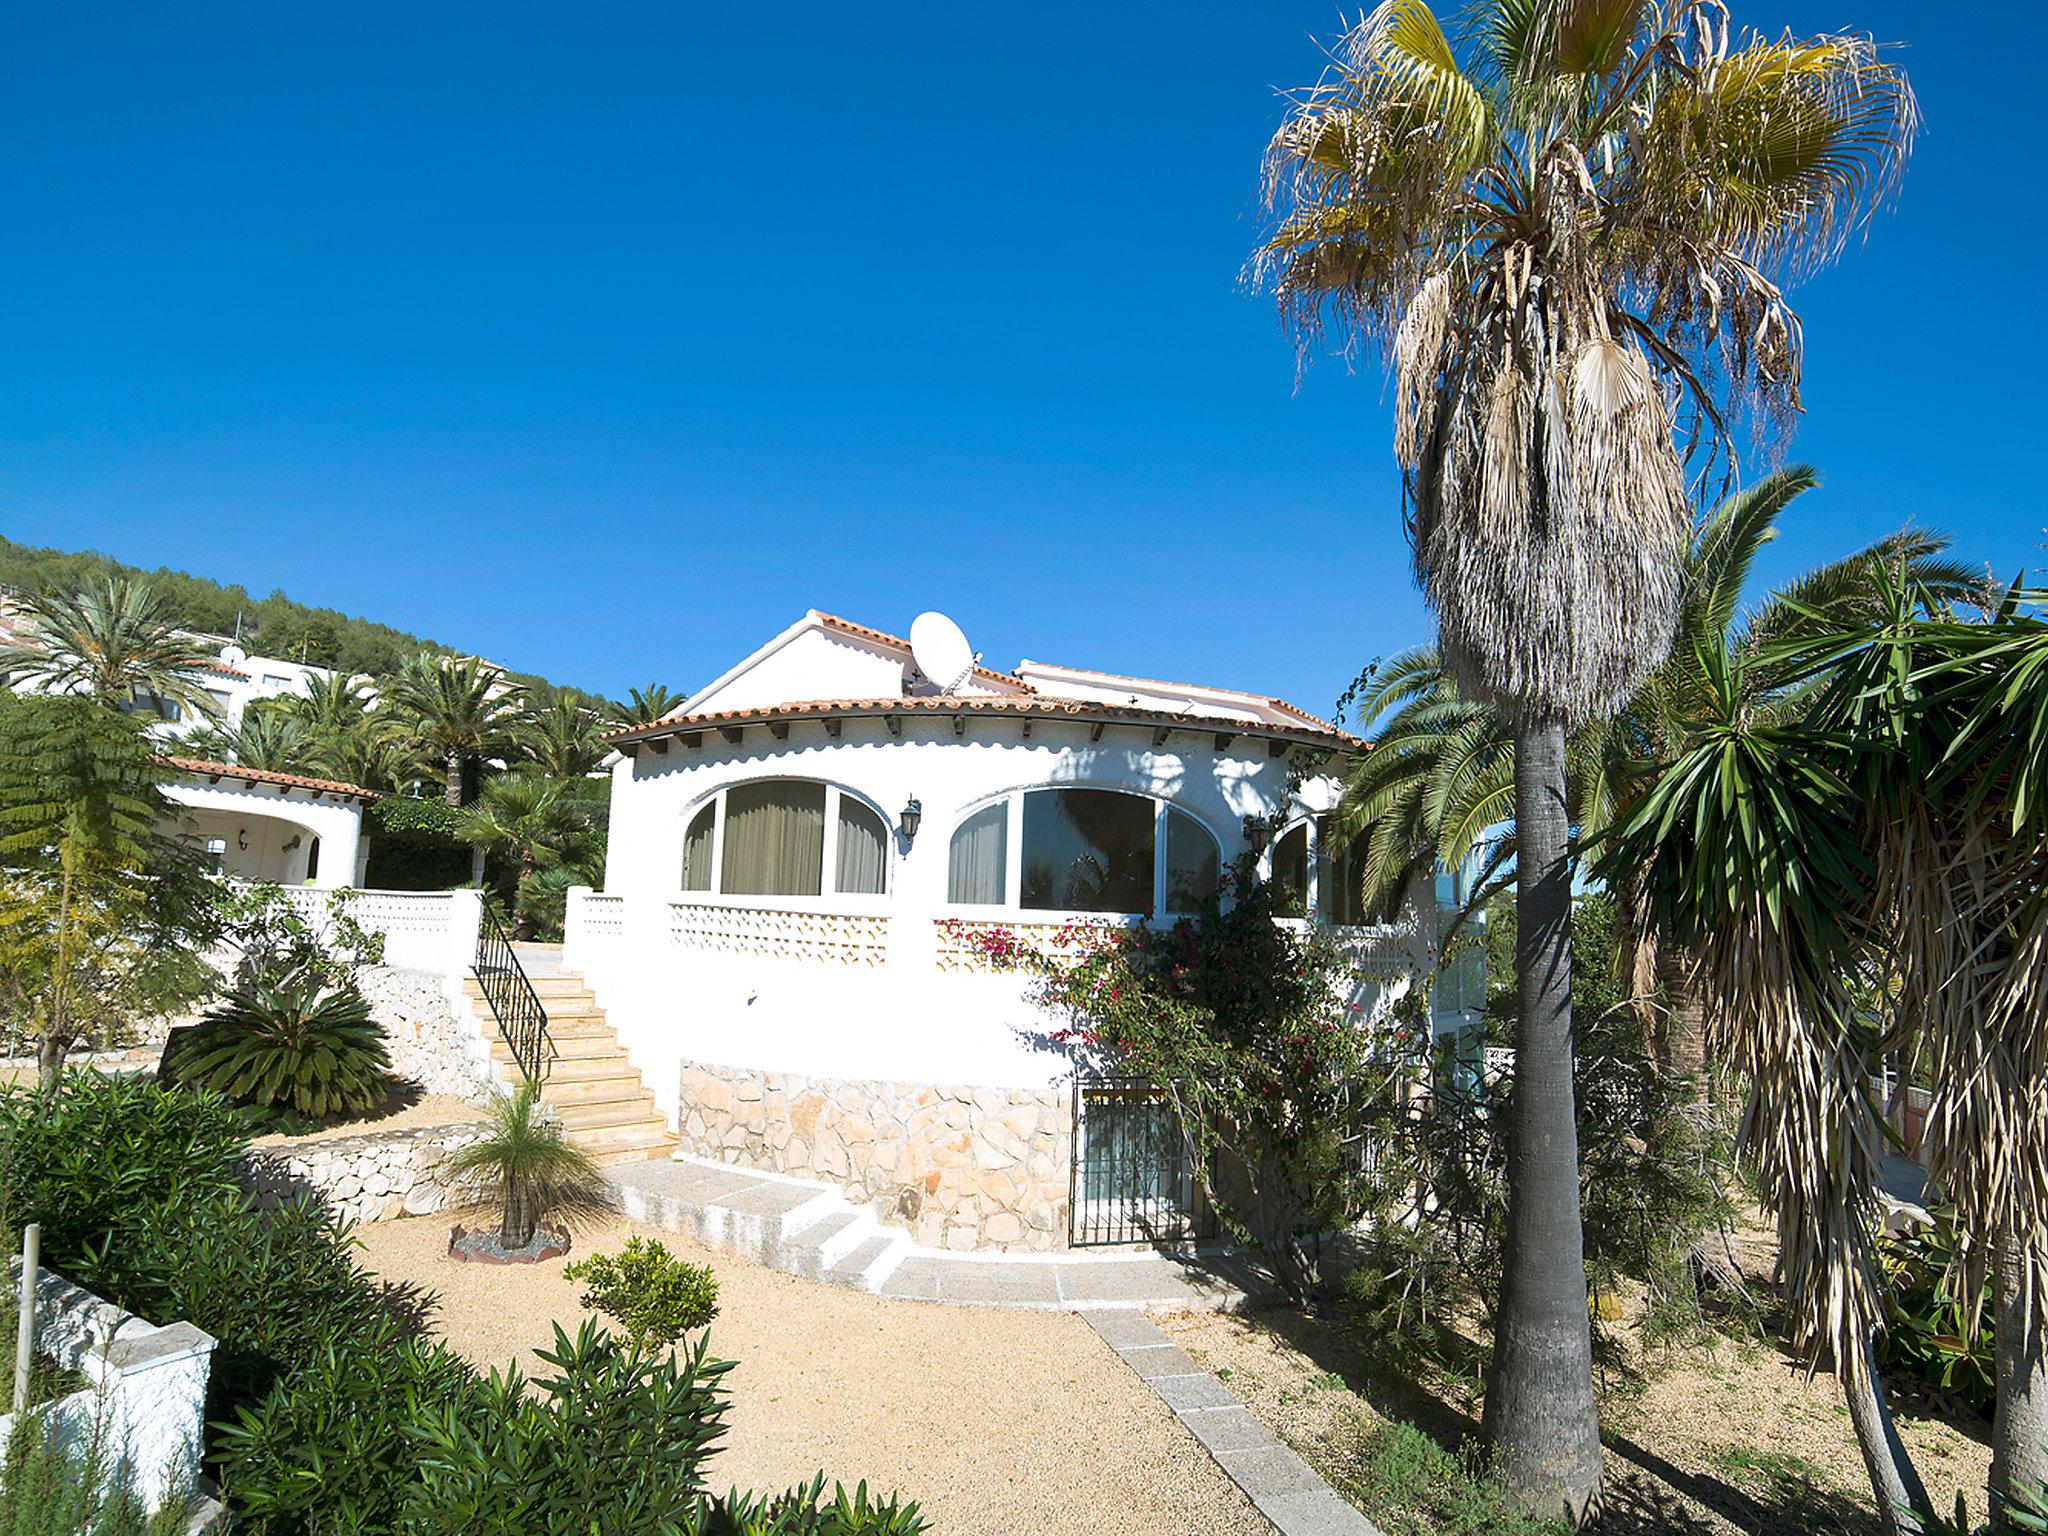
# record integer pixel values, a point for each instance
(810, 1511)
(1414, 1487)
(655, 1296)
(290, 1043)
(51, 1489)
(1929, 1336)
(330, 1448)
(135, 1186)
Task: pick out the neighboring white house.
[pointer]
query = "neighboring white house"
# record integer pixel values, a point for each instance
(251, 824)
(236, 680)
(801, 855)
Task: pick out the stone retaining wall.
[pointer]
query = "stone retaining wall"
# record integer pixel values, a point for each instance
(432, 1041)
(366, 1178)
(961, 1168)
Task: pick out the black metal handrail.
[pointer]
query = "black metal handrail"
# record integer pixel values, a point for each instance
(521, 1018)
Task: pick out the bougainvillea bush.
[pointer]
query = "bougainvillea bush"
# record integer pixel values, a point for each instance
(1243, 1021)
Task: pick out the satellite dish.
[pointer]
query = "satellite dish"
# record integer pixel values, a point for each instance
(940, 650)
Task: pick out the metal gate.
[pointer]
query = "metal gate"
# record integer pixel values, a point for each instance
(1133, 1177)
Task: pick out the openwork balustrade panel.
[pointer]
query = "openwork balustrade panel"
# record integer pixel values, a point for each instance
(826, 938)
(972, 946)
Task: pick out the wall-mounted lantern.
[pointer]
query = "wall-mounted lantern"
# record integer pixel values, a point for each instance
(909, 819)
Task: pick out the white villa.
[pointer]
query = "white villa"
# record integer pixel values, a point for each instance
(800, 855)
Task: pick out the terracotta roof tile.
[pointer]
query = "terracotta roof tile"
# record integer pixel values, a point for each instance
(1037, 706)
(265, 776)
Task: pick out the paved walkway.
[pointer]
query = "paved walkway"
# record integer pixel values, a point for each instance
(811, 1229)
(1286, 1489)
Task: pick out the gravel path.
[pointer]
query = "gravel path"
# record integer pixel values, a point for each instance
(998, 1423)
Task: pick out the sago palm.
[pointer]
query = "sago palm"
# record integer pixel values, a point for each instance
(1570, 229)
(289, 1042)
(457, 708)
(117, 640)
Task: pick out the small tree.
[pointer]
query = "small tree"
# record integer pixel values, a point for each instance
(102, 917)
(655, 1296)
(525, 1161)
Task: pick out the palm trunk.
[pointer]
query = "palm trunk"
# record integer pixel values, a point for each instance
(2019, 1428)
(515, 1227)
(451, 771)
(1542, 1425)
(1902, 1503)
(522, 922)
(1683, 1037)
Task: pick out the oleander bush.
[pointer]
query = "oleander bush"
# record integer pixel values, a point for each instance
(289, 1043)
(136, 1188)
(648, 1291)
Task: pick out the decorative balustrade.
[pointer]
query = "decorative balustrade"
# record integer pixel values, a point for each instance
(826, 938)
(422, 930)
(975, 945)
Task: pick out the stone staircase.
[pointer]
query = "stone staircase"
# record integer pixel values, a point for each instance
(594, 1090)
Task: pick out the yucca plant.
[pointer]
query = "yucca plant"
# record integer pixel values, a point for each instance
(524, 1161)
(289, 1042)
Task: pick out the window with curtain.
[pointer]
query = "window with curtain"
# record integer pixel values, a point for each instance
(1193, 862)
(697, 849)
(1290, 869)
(977, 860)
(863, 850)
(1088, 850)
(774, 839)
(1342, 887)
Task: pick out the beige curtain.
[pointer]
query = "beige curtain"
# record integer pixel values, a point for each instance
(697, 850)
(774, 838)
(862, 843)
(977, 866)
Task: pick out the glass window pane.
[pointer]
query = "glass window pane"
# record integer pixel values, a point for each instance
(863, 859)
(978, 860)
(1088, 850)
(1290, 870)
(774, 839)
(1193, 862)
(1342, 887)
(697, 850)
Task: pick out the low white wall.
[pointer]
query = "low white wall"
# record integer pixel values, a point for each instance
(147, 1398)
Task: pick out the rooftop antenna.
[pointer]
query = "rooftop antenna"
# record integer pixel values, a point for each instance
(941, 651)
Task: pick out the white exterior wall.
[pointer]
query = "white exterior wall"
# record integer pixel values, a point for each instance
(905, 1018)
(257, 822)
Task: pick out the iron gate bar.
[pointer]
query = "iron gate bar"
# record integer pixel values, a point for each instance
(1137, 1183)
(514, 1003)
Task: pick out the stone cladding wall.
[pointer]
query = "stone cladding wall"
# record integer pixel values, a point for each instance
(432, 1042)
(960, 1168)
(366, 1178)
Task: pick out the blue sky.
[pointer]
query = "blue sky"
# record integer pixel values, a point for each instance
(605, 339)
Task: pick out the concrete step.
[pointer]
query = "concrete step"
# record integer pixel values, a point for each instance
(625, 1143)
(582, 1069)
(653, 1151)
(626, 1086)
(621, 1112)
(823, 1243)
(577, 1047)
(869, 1265)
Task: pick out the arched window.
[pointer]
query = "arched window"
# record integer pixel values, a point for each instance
(781, 837)
(1082, 850)
(1290, 869)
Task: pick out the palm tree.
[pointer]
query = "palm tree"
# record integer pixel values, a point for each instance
(1553, 226)
(269, 736)
(650, 704)
(562, 735)
(1860, 874)
(524, 1160)
(458, 708)
(543, 828)
(116, 640)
